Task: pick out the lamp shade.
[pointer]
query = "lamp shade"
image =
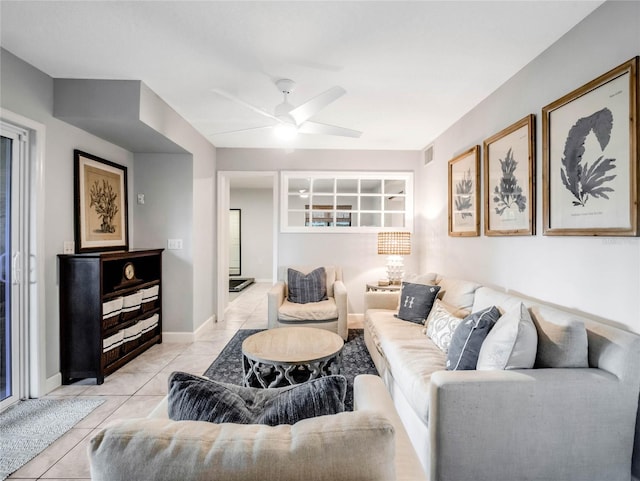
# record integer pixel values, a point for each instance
(394, 243)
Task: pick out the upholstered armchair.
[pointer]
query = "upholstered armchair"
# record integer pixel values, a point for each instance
(330, 314)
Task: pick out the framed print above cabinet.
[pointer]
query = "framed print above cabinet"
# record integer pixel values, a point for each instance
(590, 157)
(509, 179)
(100, 204)
(464, 194)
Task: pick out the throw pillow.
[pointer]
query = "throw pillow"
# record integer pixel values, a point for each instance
(416, 301)
(305, 288)
(511, 344)
(195, 398)
(440, 325)
(562, 339)
(468, 337)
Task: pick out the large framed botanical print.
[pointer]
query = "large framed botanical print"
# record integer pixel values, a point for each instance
(100, 204)
(464, 194)
(509, 180)
(590, 155)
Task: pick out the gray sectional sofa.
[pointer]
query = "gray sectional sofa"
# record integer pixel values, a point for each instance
(552, 423)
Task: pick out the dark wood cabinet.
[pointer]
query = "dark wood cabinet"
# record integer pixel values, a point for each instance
(110, 310)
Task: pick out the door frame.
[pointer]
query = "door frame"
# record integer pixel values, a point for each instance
(224, 200)
(35, 382)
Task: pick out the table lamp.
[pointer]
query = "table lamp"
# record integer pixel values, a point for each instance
(394, 245)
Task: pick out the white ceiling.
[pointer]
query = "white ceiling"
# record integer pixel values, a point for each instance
(410, 69)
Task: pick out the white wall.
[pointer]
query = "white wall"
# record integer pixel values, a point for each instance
(600, 276)
(256, 231)
(356, 253)
(29, 92)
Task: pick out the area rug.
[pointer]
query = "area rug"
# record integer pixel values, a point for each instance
(28, 427)
(355, 360)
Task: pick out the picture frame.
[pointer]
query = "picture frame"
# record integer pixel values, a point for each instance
(509, 180)
(100, 203)
(590, 157)
(464, 194)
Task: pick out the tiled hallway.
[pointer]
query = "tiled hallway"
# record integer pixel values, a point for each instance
(136, 388)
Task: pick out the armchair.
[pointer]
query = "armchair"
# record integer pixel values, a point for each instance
(330, 314)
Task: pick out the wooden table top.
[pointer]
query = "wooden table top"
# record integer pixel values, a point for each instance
(292, 345)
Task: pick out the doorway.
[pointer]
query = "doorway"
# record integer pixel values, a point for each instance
(255, 194)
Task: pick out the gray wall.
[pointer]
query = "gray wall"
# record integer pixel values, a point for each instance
(29, 92)
(166, 181)
(190, 186)
(356, 253)
(256, 231)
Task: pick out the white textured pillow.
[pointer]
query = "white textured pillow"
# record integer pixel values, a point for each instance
(440, 325)
(511, 344)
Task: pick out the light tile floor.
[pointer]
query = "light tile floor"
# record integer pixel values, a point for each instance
(135, 389)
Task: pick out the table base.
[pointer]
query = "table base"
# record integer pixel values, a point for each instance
(277, 374)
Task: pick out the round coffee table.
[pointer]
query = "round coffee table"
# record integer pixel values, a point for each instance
(290, 355)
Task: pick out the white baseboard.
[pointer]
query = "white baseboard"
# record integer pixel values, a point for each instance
(188, 336)
(53, 382)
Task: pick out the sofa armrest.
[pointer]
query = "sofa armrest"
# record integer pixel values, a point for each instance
(370, 393)
(381, 300)
(275, 298)
(569, 424)
(340, 296)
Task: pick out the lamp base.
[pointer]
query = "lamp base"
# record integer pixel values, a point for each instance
(395, 269)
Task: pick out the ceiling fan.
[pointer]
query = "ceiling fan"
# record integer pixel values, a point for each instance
(290, 120)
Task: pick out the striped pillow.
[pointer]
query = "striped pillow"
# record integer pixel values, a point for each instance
(305, 288)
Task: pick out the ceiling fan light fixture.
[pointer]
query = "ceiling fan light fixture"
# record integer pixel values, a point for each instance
(285, 131)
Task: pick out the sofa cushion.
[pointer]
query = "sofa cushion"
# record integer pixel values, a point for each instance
(304, 288)
(457, 292)
(440, 325)
(326, 310)
(468, 337)
(416, 301)
(511, 344)
(195, 398)
(562, 339)
(413, 357)
(349, 446)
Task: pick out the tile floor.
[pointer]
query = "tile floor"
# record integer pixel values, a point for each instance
(135, 389)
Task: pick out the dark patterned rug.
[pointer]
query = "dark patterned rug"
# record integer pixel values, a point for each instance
(355, 360)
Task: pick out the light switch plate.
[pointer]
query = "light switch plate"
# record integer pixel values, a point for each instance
(69, 247)
(174, 244)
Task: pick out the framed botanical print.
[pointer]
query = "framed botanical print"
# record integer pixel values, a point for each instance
(464, 194)
(590, 155)
(100, 204)
(509, 174)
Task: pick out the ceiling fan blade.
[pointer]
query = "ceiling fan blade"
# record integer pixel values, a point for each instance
(313, 106)
(325, 129)
(241, 130)
(235, 99)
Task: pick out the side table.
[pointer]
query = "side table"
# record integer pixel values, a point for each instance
(373, 287)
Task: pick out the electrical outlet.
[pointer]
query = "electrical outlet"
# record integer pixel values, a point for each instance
(140, 198)
(174, 244)
(69, 247)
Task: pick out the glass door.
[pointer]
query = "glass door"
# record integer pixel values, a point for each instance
(9, 327)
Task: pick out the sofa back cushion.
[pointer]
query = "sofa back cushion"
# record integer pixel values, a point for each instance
(457, 292)
(348, 446)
